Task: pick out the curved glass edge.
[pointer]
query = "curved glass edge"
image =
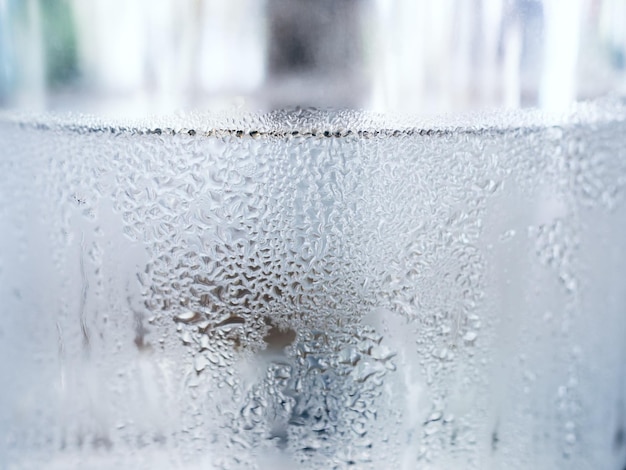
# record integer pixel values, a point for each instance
(322, 122)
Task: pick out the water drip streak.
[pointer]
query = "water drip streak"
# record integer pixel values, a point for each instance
(83, 296)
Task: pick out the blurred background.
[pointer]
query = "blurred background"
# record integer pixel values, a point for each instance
(418, 56)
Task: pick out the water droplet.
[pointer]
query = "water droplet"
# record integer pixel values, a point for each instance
(435, 416)
(506, 236)
(186, 337)
(204, 342)
(470, 337)
(432, 427)
(187, 317)
(200, 362)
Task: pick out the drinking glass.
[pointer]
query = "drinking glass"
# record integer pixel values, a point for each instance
(312, 234)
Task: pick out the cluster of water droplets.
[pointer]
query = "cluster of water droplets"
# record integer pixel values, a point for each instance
(311, 289)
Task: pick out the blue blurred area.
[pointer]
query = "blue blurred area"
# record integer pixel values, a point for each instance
(7, 51)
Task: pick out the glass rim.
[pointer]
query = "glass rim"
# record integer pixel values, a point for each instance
(323, 122)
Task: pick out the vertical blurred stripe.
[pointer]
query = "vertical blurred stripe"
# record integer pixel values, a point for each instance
(563, 27)
(7, 68)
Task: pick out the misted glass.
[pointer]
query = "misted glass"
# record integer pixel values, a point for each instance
(312, 234)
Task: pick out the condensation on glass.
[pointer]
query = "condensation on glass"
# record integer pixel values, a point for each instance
(305, 288)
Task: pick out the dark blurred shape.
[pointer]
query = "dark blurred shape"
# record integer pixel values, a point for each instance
(313, 36)
(316, 52)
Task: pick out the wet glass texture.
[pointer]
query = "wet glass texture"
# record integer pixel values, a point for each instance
(277, 269)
